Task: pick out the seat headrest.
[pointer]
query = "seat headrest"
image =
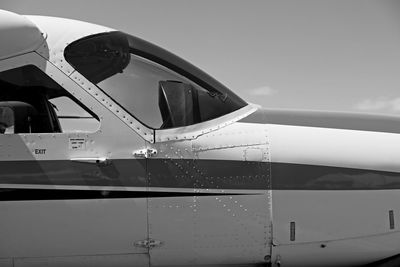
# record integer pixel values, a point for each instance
(17, 114)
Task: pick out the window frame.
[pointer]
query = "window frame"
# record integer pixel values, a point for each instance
(157, 135)
(161, 135)
(179, 76)
(53, 73)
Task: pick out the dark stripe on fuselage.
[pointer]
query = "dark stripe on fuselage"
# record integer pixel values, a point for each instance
(324, 119)
(197, 174)
(167, 173)
(18, 194)
(289, 176)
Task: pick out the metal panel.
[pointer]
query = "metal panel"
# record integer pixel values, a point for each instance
(353, 219)
(340, 253)
(6, 263)
(224, 227)
(122, 260)
(196, 130)
(22, 35)
(330, 215)
(72, 227)
(335, 147)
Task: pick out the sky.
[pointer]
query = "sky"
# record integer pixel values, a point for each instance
(311, 54)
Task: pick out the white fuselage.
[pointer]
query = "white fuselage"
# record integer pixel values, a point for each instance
(228, 190)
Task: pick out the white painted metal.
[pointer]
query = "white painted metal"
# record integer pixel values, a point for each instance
(19, 35)
(209, 230)
(85, 261)
(347, 252)
(6, 262)
(335, 147)
(71, 227)
(341, 214)
(233, 143)
(334, 228)
(194, 131)
(213, 229)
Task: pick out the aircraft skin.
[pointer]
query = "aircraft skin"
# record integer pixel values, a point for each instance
(251, 187)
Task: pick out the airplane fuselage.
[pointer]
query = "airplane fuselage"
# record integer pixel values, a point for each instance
(181, 172)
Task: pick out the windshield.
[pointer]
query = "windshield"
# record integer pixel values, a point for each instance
(158, 88)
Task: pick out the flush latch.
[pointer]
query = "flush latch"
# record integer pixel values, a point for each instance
(148, 243)
(145, 153)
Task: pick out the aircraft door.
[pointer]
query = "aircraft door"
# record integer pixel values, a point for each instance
(68, 196)
(209, 198)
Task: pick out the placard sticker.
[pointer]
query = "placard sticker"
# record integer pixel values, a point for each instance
(77, 143)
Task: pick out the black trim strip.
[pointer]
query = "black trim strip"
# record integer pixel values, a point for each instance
(17, 194)
(195, 174)
(166, 173)
(289, 176)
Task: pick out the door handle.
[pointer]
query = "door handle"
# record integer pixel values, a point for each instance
(145, 153)
(148, 243)
(98, 161)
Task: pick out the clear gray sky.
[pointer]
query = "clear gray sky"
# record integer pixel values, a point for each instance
(310, 54)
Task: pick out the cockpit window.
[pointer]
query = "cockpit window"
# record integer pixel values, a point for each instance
(32, 102)
(158, 88)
